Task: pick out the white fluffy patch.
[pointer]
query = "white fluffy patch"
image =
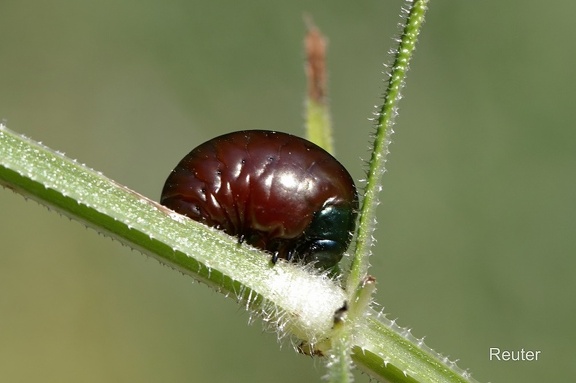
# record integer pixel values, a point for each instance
(308, 301)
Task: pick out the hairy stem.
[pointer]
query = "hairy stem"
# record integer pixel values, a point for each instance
(385, 116)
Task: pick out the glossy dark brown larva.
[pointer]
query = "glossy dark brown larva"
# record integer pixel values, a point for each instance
(273, 190)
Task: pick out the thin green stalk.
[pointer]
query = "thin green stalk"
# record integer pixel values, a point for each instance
(319, 131)
(359, 286)
(318, 122)
(384, 122)
(339, 360)
(319, 126)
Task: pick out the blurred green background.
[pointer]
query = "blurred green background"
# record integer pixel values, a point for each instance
(476, 241)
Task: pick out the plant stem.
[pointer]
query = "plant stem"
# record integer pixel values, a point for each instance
(384, 120)
(318, 123)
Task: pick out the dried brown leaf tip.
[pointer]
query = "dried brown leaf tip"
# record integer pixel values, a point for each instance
(315, 44)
